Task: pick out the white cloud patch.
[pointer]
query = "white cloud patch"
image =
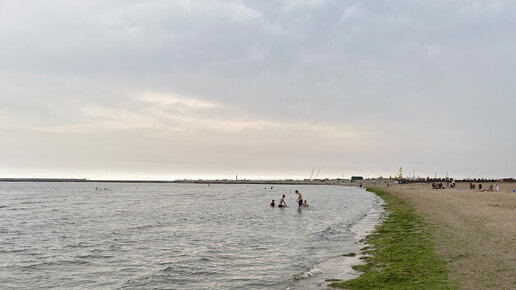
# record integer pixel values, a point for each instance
(188, 103)
(104, 118)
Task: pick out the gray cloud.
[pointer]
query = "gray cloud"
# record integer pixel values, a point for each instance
(428, 85)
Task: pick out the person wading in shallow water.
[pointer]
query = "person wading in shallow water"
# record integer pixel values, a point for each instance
(299, 198)
(282, 202)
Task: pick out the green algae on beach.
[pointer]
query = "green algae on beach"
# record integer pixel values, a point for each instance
(401, 254)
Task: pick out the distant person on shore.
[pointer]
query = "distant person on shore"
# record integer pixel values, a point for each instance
(272, 203)
(305, 204)
(282, 202)
(491, 188)
(299, 198)
(480, 186)
(497, 188)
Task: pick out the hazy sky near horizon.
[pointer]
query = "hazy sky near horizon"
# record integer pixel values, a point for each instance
(175, 89)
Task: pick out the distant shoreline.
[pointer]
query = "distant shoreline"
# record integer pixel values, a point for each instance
(191, 181)
(338, 181)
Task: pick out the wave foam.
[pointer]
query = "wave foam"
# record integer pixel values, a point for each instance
(310, 273)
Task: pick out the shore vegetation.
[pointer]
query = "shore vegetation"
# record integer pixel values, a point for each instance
(401, 253)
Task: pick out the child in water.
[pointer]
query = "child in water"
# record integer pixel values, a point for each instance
(305, 204)
(272, 203)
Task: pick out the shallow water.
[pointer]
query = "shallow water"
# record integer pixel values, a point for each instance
(176, 236)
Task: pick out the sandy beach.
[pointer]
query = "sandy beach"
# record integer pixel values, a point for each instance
(475, 231)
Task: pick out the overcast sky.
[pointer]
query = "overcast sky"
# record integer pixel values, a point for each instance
(210, 89)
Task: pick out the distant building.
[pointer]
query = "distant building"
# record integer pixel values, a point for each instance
(354, 178)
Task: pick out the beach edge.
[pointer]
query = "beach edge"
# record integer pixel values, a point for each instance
(400, 252)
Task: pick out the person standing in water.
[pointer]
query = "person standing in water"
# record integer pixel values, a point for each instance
(282, 202)
(299, 198)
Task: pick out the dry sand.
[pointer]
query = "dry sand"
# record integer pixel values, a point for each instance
(475, 231)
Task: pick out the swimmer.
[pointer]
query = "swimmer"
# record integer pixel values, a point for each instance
(305, 204)
(272, 203)
(282, 202)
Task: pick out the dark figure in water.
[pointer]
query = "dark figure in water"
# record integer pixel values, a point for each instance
(272, 203)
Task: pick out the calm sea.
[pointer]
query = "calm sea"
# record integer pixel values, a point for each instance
(178, 236)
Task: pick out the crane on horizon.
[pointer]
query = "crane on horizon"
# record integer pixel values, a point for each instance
(399, 175)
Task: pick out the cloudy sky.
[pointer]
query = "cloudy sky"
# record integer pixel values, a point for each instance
(175, 89)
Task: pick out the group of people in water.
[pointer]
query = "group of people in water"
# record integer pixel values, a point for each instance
(282, 203)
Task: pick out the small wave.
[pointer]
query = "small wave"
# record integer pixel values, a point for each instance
(310, 273)
(17, 208)
(31, 202)
(143, 227)
(94, 256)
(45, 264)
(327, 232)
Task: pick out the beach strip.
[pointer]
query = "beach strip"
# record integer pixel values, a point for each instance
(401, 253)
(474, 229)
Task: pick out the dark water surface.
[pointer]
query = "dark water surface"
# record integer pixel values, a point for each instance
(173, 236)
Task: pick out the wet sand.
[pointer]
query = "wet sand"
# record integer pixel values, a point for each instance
(475, 231)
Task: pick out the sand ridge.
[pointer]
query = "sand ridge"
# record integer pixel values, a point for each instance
(475, 231)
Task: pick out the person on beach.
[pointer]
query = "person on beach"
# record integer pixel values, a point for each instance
(305, 204)
(272, 203)
(299, 198)
(491, 188)
(282, 202)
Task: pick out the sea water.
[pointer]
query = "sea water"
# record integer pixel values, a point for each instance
(178, 236)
